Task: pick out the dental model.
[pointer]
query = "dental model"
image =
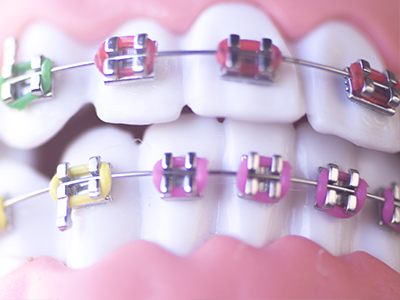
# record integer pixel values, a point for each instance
(213, 244)
(259, 178)
(133, 57)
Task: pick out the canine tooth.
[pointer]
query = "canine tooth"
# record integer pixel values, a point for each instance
(144, 101)
(328, 108)
(41, 120)
(380, 170)
(208, 95)
(180, 225)
(99, 229)
(315, 150)
(254, 222)
(32, 230)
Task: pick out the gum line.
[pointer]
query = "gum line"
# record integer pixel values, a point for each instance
(243, 272)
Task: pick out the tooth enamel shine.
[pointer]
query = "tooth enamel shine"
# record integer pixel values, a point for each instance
(124, 58)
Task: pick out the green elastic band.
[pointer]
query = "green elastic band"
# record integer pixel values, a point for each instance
(46, 75)
(23, 101)
(21, 68)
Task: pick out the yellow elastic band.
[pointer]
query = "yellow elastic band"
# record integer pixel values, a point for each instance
(81, 171)
(3, 216)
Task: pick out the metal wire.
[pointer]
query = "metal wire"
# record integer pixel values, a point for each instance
(315, 66)
(181, 53)
(21, 198)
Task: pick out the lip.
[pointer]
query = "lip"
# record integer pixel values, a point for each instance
(167, 15)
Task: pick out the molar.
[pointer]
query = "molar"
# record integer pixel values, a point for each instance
(329, 110)
(208, 94)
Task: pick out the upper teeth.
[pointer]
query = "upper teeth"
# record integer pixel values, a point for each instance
(202, 87)
(127, 58)
(326, 110)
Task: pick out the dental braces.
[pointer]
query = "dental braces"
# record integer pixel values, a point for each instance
(128, 58)
(259, 178)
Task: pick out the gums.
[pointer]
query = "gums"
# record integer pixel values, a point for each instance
(243, 272)
(247, 272)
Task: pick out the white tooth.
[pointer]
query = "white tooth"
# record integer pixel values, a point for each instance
(328, 108)
(209, 95)
(99, 229)
(315, 150)
(140, 101)
(43, 119)
(33, 230)
(254, 222)
(180, 225)
(379, 170)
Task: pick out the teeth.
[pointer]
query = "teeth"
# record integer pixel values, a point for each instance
(99, 229)
(255, 223)
(314, 151)
(162, 99)
(137, 211)
(144, 102)
(209, 95)
(132, 103)
(181, 225)
(32, 232)
(328, 109)
(360, 232)
(379, 170)
(41, 120)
